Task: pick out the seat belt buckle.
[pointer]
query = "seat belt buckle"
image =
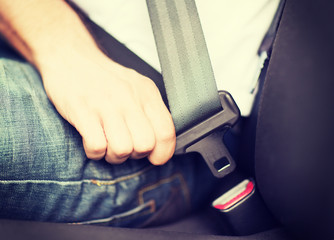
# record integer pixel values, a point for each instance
(206, 137)
(241, 210)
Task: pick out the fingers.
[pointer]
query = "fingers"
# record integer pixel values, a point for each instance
(120, 145)
(146, 129)
(117, 137)
(131, 123)
(128, 133)
(140, 133)
(94, 140)
(129, 136)
(164, 130)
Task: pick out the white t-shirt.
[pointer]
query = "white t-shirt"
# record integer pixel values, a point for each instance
(233, 29)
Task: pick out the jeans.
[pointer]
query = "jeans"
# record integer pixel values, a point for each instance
(46, 176)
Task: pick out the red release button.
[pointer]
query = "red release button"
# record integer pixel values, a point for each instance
(235, 195)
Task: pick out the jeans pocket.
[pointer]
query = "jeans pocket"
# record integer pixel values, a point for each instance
(172, 198)
(157, 203)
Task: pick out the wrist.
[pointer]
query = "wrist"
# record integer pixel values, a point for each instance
(67, 57)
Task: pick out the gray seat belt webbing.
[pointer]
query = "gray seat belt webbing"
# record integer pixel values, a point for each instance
(186, 68)
(201, 116)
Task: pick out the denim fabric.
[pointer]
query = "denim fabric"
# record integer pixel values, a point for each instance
(45, 175)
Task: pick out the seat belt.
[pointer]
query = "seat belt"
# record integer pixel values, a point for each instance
(201, 116)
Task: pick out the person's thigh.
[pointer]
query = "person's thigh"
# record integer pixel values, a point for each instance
(45, 175)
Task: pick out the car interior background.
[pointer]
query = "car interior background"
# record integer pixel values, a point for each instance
(293, 197)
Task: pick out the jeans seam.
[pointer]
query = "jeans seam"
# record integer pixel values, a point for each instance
(90, 181)
(120, 179)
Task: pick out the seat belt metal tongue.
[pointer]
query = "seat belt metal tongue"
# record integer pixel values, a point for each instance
(206, 137)
(189, 80)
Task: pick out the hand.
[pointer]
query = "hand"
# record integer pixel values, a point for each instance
(118, 112)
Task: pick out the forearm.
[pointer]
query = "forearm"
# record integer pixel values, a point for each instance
(44, 31)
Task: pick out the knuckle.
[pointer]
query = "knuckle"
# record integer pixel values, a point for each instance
(166, 136)
(122, 151)
(145, 143)
(95, 151)
(144, 147)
